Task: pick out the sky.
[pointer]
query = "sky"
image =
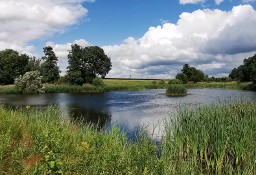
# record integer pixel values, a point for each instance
(143, 38)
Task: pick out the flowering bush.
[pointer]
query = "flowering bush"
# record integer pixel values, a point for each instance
(30, 83)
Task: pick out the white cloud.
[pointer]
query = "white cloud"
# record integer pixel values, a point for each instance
(213, 40)
(26, 20)
(190, 1)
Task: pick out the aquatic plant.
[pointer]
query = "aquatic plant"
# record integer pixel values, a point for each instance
(176, 90)
(209, 140)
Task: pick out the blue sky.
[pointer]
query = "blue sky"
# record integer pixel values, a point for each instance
(110, 22)
(144, 38)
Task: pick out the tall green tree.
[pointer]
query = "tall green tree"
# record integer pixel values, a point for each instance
(192, 73)
(245, 72)
(87, 63)
(12, 64)
(182, 77)
(49, 69)
(75, 73)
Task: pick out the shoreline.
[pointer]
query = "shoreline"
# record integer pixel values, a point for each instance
(126, 85)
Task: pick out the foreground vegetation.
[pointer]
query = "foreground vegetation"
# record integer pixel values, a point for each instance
(209, 140)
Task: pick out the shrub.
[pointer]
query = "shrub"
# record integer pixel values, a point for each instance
(97, 82)
(29, 83)
(176, 90)
(175, 81)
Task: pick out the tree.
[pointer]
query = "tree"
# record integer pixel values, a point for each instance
(75, 73)
(182, 77)
(33, 64)
(30, 83)
(49, 69)
(86, 63)
(245, 72)
(12, 64)
(192, 73)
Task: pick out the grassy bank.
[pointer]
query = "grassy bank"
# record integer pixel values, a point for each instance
(210, 140)
(223, 85)
(127, 84)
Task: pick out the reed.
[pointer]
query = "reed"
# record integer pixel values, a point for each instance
(176, 90)
(212, 140)
(208, 140)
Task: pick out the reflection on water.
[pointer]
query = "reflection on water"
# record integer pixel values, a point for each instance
(129, 110)
(82, 115)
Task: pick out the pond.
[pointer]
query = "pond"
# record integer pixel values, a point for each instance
(129, 110)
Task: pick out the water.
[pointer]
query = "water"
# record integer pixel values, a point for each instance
(129, 110)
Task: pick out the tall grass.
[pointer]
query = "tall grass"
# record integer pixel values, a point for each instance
(8, 89)
(176, 90)
(39, 142)
(209, 140)
(223, 85)
(212, 140)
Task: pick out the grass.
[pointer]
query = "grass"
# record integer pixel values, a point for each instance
(176, 90)
(223, 85)
(209, 140)
(127, 84)
(213, 140)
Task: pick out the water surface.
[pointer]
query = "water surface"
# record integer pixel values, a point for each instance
(129, 110)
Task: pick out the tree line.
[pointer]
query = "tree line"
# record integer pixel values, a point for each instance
(243, 73)
(85, 63)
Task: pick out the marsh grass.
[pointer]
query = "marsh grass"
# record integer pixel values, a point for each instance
(176, 90)
(212, 140)
(8, 89)
(223, 85)
(208, 140)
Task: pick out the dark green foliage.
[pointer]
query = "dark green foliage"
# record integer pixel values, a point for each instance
(176, 90)
(33, 64)
(245, 72)
(49, 69)
(86, 63)
(75, 73)
(182, 77)
(192, 73)
(12, 64)
(97, 82)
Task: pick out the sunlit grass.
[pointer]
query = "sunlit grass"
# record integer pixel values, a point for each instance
(208, 140)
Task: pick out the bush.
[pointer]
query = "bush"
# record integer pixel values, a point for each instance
(29, 83)
(175, 81)
(97, 82)
(176, 90)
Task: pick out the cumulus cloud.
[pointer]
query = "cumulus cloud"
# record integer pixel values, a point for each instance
(26, 20)
(213, 40)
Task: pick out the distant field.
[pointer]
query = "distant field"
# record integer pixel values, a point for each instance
(127, 82)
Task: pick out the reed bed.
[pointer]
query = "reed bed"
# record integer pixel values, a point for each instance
(208, 140)
(176, 90)
(212, 140)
